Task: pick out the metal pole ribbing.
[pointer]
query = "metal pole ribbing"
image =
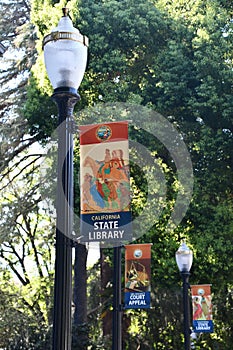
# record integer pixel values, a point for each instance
(65, 100)
(117, 307)
(186, 303)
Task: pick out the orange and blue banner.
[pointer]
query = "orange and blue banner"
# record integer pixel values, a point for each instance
(202, 308)
(105, 183)
(137, 276)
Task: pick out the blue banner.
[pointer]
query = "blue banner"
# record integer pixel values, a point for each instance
(137, 300)
(202, 326)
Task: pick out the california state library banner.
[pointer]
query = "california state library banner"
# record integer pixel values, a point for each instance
(202, 308)
(137, 276)
(105, 183)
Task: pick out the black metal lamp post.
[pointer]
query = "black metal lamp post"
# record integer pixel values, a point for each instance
(117, 306)
(184, 259)
(65, 54)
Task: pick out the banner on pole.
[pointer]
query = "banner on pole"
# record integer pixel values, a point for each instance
(104, 183)
(137, 276)
(202, 308)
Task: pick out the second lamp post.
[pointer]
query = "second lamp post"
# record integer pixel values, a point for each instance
(184, 260)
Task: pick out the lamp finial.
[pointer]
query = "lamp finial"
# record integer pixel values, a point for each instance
(65, 11)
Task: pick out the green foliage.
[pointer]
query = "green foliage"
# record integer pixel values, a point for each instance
(124, 40)
(189, 78)
(19, 330)
(39, 111)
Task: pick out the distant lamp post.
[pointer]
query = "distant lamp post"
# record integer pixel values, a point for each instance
(65, 54)
(184, 260)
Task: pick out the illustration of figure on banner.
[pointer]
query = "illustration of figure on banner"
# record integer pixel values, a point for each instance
(202, 306)
(108, 186)
(137, 278)
(197, 310)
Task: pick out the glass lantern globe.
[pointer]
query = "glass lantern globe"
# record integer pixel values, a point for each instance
(184, 258)
(65, 54)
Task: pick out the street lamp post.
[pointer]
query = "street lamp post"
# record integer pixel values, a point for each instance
(184, 259)
(117, 306)
(65, 54)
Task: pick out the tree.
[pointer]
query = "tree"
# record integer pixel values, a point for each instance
(27, 292)
(26, 250)
(18, 36)
(189, 79)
